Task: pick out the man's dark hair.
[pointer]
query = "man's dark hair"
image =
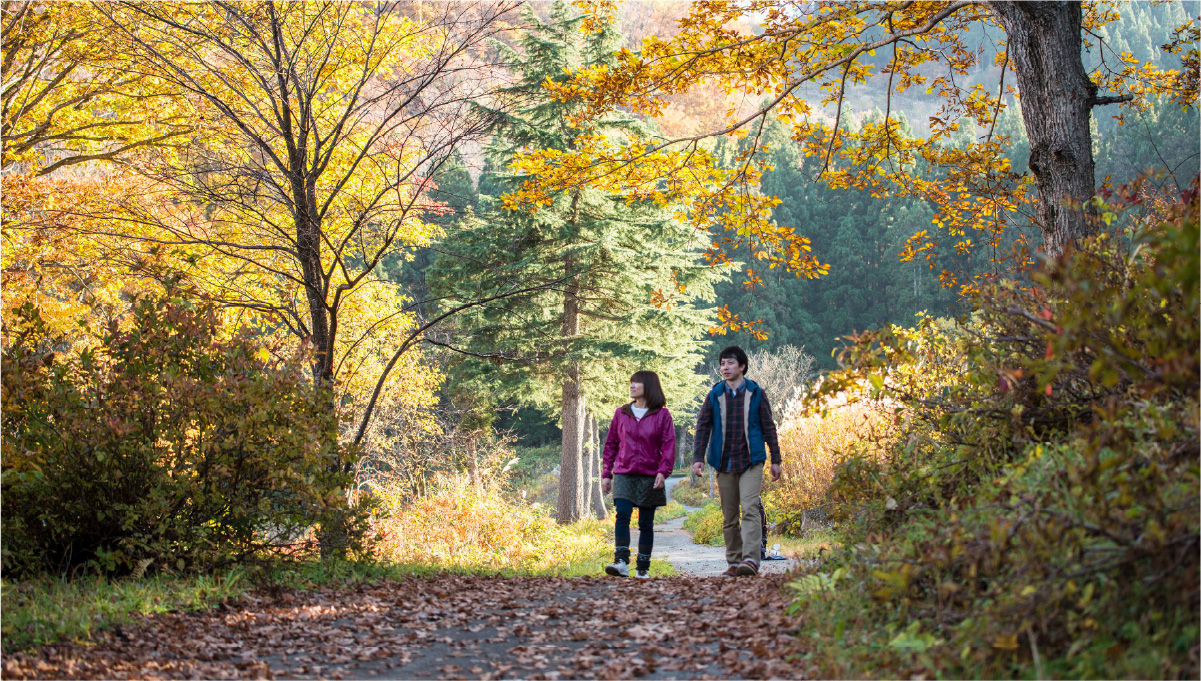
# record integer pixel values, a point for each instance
(735, 353)
(650, 388)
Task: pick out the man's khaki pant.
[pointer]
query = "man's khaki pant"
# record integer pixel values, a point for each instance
(741, 490)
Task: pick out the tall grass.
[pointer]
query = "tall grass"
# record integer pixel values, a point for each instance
(813, 444)
(461, 527)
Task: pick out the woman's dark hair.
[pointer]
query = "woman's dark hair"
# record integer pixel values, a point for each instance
(650, 388)
(735, 353)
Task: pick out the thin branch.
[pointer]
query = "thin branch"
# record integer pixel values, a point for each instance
(379, 385)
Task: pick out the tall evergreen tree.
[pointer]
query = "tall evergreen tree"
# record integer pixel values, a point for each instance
(630, 277)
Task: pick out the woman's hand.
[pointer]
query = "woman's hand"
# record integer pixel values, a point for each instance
(606, 485)
(659, 479)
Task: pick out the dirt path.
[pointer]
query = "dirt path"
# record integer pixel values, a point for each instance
(457, 627)
(675, 545)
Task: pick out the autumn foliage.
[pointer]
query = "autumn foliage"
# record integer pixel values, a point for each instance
(164, 445)
(814, 445)
(800, 66)
(1038, 510)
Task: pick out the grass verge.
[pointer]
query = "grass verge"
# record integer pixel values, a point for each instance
(43, 611)
(459, 531)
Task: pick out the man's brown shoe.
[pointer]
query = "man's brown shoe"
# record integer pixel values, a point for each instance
(731, 571)
(748, 568)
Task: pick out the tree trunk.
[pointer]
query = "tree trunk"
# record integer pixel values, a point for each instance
(1057, 99)
(598, 496)
(474, 465)
(333, 536)
(308, 252)
(570, 506)
(589, 455)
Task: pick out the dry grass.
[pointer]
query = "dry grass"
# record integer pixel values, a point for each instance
(460, 527)
(814, 444)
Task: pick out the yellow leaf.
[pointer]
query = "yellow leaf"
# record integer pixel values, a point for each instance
(1006, 642)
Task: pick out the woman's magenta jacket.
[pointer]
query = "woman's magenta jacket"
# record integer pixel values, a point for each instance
(645, 447)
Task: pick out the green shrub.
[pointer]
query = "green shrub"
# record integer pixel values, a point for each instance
(163, 445)
(1036, 514)
(705, 525)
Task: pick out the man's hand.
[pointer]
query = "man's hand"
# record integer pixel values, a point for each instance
(659, 481)
(696, 468)
(606, 485)
(775, 472)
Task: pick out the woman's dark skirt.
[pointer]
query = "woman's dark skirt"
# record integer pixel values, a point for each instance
(639, 490)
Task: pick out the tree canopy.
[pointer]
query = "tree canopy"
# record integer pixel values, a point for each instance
(800, 69)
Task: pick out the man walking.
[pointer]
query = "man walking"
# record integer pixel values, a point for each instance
(734, 431)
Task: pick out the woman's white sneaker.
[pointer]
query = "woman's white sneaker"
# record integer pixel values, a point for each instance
(618, 568)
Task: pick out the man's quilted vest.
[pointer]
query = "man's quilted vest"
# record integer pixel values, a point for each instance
(750, 413)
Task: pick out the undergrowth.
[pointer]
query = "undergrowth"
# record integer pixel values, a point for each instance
(1035, 512)
(705, 525)
(465, 528)
(812, 445)
(169, 444)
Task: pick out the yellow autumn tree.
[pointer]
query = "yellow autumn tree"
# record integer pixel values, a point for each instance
(322, 126)
(70, 93)
(73, 108)
(802, 65)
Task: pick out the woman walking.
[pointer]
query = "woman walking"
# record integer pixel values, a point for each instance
(639, 455)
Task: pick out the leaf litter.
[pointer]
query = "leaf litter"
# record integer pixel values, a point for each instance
(455, 627)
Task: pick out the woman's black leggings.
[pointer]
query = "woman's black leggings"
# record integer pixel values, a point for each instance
(646, 526)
